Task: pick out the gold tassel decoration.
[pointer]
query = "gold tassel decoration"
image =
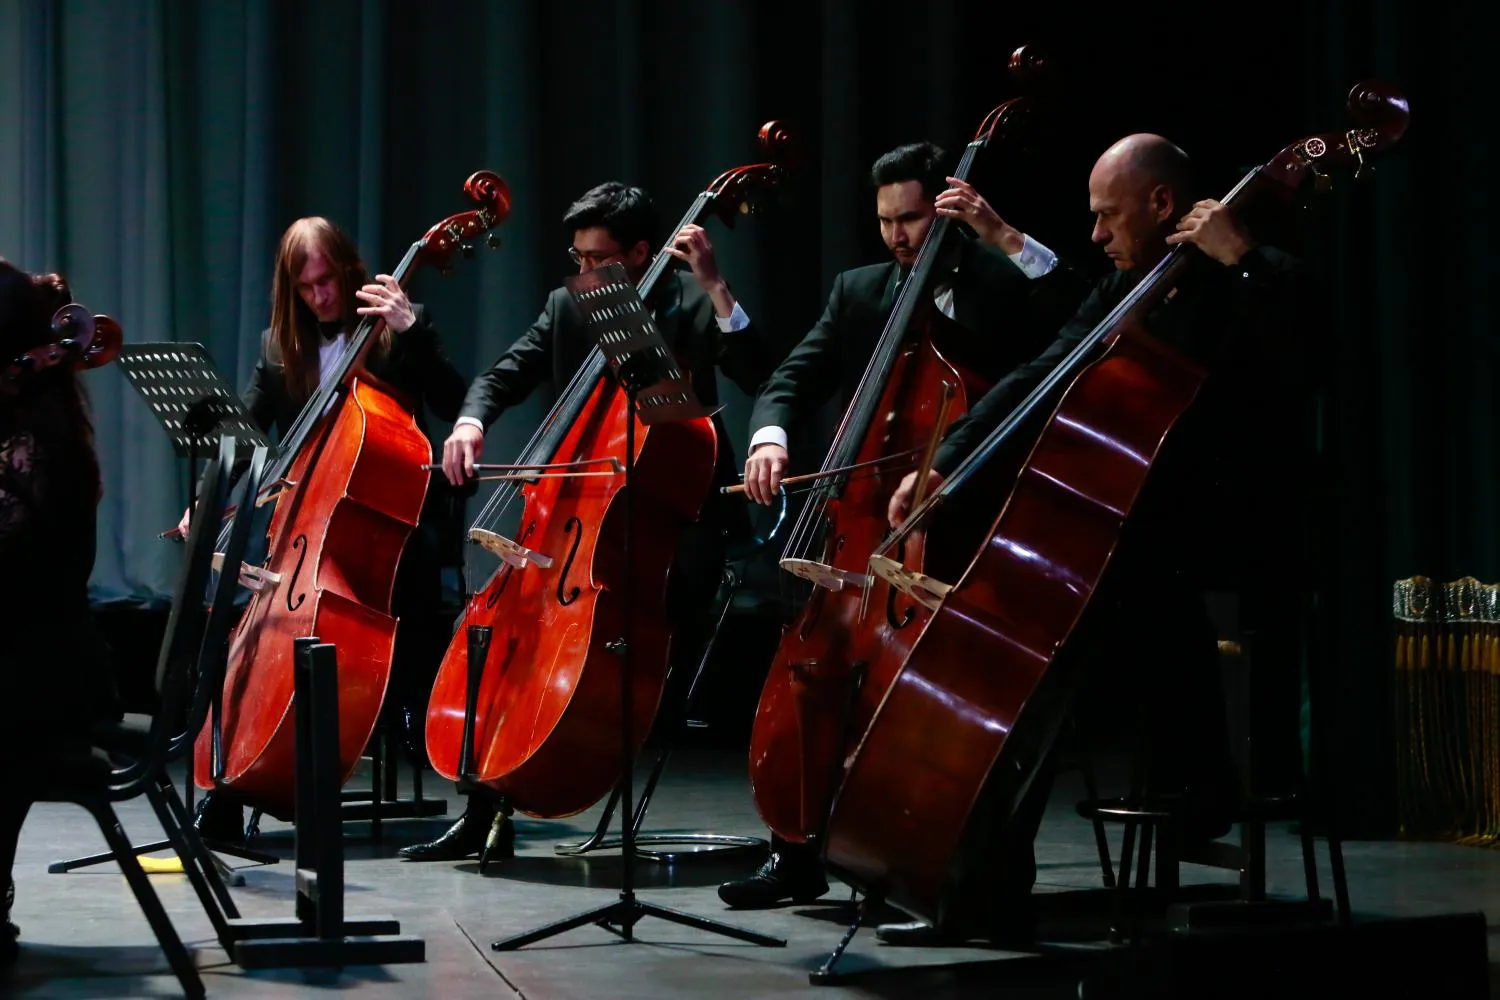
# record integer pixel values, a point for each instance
(1447, 705)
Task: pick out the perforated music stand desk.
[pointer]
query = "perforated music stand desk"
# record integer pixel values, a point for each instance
(619, 321)
(190, 399)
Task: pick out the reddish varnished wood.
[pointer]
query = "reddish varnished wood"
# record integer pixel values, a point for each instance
(547, 715)
(336, 548)
(551, 687)
(979, 697)
(347, 500)
(832, 660)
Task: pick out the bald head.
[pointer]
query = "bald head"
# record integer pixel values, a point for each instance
(1137, 191)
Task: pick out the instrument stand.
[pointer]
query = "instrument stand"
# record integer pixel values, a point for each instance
(648, 847)
(195, 406)
(614, 312)
(319, 935)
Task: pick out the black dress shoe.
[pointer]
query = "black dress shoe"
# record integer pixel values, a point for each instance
(463, 839)
(1010, 923)
(791, 873)
(915, 934)
(921, 934)
(220, 821)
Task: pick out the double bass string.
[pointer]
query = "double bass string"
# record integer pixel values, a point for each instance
(1065, 370)
(872, 382)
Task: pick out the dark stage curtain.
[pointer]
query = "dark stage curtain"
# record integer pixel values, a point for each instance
(155, 149)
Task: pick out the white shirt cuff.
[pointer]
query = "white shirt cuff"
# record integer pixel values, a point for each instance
(768, 435)
(1034, 260)
(471, 421)
(738, 319)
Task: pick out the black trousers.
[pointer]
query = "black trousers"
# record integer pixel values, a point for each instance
(1147, 647)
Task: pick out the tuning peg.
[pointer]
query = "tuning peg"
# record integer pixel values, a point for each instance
(492, 240)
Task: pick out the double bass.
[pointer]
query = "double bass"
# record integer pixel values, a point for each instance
(348, 486)
(546, 712)
(851, 634)
(965, 723)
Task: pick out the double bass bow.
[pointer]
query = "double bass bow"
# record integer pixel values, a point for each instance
(544, 725)
(348, 486)
(965, 723)
(852, 632)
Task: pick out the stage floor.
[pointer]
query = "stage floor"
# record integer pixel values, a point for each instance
(84, 936)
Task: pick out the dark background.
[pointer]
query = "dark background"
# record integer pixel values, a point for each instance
(156, 150)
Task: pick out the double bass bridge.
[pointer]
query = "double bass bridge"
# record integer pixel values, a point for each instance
(925, 590)
(511, 552)
(826, 576)
(253, 578)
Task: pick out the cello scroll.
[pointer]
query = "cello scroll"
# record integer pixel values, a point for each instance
(83, 340)
(745, 190)
(1380, 115)
(458, 231)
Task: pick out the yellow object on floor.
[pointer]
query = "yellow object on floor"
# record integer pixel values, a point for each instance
(161, 866)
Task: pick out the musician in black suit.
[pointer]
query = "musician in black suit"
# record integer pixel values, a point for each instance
(1219, 513)
(1006, 293)
(701, 320)
(320, 290)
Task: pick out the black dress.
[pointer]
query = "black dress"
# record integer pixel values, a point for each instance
(56, 675)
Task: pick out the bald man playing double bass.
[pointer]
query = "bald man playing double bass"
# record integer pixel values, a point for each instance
(1219, 513)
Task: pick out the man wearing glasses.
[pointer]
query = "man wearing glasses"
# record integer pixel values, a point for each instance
(700, 319)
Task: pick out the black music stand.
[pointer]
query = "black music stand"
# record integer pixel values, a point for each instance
(658, 392)
(193, 403)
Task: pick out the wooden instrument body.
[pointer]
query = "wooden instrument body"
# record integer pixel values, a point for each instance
(335, 540)
(546, 722)
(961, 731)
(977, 697)
(833, 658)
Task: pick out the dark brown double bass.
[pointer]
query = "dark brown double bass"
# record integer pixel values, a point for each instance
(348, 487)
(851, 636)
(981, 694)
(546, 722)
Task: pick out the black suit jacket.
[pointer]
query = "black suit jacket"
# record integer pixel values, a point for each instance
(415, 366)
(557, 344)
(1003, 317)
(1226, 496)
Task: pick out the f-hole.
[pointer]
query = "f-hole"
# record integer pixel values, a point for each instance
(300, 545)
(573, 525)
(905, 619)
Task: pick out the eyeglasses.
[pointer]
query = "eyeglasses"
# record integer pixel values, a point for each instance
(594, 257)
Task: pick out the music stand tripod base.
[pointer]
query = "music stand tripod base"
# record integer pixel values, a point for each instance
(622, 325)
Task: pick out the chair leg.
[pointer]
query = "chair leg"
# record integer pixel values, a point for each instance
(156, 915)
(1253, 843)
(377, 790)
(1340, 878)
(1091, 789)
(197, 862)
(1122, 885)
(1309, 857)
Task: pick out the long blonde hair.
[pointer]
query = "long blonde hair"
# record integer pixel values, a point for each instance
(294, 328)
